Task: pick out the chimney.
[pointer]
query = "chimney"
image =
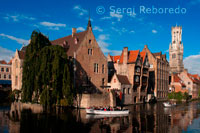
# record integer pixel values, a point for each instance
(73, 31)
(125, 55)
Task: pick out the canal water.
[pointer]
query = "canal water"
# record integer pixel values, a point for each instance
(18, 117)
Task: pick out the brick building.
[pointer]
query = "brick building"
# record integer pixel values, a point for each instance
(90, 64)
(17, 69)
(5, 74)
(192, 83)
(133, 65)
(158, 74)
(177, 85)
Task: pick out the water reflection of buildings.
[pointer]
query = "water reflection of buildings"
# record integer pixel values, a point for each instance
(147, 118)
(183, 117)
(143, 118)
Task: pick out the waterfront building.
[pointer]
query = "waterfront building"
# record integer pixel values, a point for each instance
(134, 66)
(177, 85)
(5, 74)
(158, 74)
(176, 50)
(17, 69)
(191, 82)
(90, 64)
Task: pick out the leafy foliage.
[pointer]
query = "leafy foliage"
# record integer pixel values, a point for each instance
(46, 75)
(178, 96)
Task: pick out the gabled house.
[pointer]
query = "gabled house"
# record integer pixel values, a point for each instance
(121, 85)
(90, 64)
(17, 69)
(192, 83)
(135, 67)
(158, 74)
(177, 85)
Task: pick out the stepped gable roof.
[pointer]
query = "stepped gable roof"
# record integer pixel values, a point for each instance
(123, 79)
(193, 78)
(157, 54)
(21, 54)
(177, 79)
(143, 54)
(3, 62)
(70, 42)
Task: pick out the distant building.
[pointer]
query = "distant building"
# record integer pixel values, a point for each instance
(177, 85)
(192, 83)
(158, 74)
(176, 51)
(134, 66)
(5, 74)
(17, 69)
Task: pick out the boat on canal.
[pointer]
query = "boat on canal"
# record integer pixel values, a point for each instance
(167, 104)
(107, 112)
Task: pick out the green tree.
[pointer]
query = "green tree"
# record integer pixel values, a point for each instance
(46, 74)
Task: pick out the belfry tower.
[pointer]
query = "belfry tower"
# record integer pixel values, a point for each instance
(176, 50)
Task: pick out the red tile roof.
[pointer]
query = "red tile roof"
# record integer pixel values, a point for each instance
(70, 42)
(3, 62)
(115, 58)
(193, 78)
(123, 79)
(196, 76)
(10, 62)
(132, 56)
(177, 79)
(143, 55)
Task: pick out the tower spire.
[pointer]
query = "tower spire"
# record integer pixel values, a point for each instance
(89, 22)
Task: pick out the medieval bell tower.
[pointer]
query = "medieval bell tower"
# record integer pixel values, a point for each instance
(176, 50)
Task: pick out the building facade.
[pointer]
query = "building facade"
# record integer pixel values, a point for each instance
(17, 69)
(191, 82)
(90, 64)
(176, 50)
(177, 85)
(5, 74)
(158, 74)
(134, 66)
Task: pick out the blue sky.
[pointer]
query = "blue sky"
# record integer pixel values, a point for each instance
(113, 30)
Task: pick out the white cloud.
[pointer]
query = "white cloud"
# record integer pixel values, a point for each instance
(115, 15)
(104, 45)
(98, 29)
(154, 31)
(6, 54)
(80, 29)
(52, 26)
(80, 10)
(192, 63)
(18, 40)
(132, 31)
(18, 17)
